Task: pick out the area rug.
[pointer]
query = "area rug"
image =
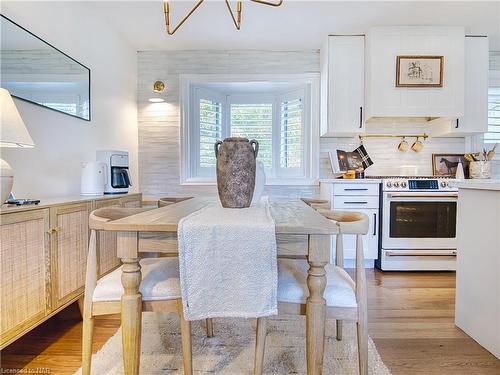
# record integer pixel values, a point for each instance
(231, 351)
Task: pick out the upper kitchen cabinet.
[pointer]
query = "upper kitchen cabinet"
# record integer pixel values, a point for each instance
(475, 118)
(342, 86)
(385, 100)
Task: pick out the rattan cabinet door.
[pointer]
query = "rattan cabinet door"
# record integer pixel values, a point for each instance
(106, 242)
(24, 272)
(69, 248)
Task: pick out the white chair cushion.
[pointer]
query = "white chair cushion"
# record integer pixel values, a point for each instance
(292, 285)
(160, 281)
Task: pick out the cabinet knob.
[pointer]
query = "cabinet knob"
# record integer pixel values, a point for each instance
(53, 230)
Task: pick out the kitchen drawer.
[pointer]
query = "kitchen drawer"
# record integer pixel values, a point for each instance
(357, 201)
(356, 189)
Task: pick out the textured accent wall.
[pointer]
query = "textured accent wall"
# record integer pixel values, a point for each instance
(159, 124)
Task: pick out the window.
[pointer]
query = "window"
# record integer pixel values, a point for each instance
(493, 135)
(254, 121)
(278, 116)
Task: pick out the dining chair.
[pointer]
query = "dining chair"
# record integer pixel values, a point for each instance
(167, 201)
(160, 289)
(345, 298)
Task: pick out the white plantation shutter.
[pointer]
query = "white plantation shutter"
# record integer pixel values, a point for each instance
(493, 135)
(209, 128)
(210, 131)
(254, 121)
(291, 124)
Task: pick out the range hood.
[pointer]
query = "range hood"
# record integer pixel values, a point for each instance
(384, 101)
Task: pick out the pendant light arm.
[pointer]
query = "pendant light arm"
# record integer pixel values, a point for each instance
(237, 19)
(166, 11)
(268, 2)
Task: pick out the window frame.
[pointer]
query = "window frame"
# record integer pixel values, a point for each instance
(310, 135)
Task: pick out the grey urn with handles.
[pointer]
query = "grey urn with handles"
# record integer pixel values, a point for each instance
(236, 171)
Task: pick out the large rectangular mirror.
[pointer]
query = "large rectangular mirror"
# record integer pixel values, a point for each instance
(35, 71)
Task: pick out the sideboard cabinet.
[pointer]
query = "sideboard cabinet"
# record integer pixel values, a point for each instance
(43, 256)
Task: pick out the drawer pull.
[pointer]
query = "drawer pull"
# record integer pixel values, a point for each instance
(356, 202)
(421, 253)
(355, 189)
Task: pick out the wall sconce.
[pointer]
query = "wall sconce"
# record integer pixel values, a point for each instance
(158, 89)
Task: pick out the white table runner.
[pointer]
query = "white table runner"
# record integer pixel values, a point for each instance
(228, 262)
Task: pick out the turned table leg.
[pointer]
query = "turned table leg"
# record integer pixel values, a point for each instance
(131, 304)
(316, 305)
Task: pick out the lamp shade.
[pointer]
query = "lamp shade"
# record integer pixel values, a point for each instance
(13, 132)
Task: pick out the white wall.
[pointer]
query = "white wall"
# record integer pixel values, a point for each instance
(159, 123)
(52, 168)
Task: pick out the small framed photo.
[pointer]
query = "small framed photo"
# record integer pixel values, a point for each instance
(419, 71)
(445, 165)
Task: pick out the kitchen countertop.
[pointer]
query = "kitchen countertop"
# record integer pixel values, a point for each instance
(350, 181)
(479, 184)
(48, 202)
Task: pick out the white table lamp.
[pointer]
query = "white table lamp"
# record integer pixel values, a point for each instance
(13, 133)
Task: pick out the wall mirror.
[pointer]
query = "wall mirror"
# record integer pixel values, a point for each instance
(37, 72)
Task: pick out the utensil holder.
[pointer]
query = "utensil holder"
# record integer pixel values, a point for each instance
(480, 169)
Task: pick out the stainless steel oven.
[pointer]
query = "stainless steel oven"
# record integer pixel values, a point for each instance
(418, 225)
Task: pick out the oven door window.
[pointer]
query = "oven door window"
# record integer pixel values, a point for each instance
(423, 220)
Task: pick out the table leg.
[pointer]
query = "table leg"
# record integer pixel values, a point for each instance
(316, 305)
(131, 315)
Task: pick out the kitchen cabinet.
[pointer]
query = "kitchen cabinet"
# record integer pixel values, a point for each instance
(384, 99)
(342, 84)
(24, 259)
(357, 197)
(69, 247)
(475, 118)
(43, 258)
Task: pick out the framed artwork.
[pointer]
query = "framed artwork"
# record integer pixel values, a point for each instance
(419, 71)
(445, 165)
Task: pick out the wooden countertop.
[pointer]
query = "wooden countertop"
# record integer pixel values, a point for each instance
(290, 217)
(50, 202)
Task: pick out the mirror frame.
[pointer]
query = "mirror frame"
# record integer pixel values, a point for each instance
(58, 50)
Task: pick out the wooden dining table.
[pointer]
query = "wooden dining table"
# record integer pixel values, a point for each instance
(301, 232)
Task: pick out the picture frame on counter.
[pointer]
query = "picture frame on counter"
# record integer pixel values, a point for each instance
(445, 165)
(419, 71)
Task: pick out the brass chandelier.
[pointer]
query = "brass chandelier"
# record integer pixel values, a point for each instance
(236, 19)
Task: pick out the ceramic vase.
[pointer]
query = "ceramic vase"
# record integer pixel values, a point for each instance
(236, 171)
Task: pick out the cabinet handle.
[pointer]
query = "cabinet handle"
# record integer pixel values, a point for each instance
(360, 117)
(355, 202)
(357, 189)
(374, 224)
(54, 230)
(456, 126)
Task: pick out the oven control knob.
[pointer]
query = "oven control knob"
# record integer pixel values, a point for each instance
(403, 184)
(444, 183)
(396, 184)
(389, 184)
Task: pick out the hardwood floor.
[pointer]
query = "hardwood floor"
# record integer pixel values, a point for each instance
(410, 321)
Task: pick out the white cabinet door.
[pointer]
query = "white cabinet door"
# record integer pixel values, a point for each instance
(370, 241)
(384, 99)
(475, 119)
(343, 105)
